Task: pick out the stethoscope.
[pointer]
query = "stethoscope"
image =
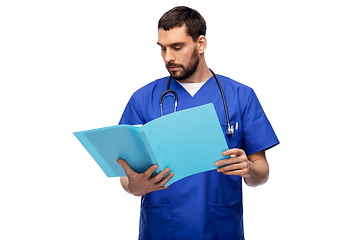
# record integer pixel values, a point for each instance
(168, 92)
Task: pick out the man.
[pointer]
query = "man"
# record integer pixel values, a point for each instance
(207, 205)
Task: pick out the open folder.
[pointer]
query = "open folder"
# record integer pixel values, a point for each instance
(187, 142)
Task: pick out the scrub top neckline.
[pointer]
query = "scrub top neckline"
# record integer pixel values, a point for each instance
(192, 88)
(199, 90)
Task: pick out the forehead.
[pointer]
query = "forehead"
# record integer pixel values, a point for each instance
(174, 35)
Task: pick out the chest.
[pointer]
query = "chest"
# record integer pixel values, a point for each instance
(208, 93)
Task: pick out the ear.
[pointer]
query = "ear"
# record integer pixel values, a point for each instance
(201, 44)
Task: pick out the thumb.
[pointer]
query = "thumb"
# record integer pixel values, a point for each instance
(128, 170)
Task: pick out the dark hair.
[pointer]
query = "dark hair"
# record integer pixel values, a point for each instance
(176, 17)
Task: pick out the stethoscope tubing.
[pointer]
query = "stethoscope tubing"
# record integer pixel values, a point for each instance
(224, 101)
(164, 94)
(230, 130)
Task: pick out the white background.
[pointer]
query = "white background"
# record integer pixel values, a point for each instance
(68, 66)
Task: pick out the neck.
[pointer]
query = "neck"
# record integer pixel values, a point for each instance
(202, 73)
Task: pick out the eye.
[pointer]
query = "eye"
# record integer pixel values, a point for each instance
(163, 49)
(177, 48)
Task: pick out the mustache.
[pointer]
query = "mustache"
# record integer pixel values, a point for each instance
(171, 64)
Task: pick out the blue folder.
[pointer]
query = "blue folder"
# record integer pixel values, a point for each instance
(187, 142)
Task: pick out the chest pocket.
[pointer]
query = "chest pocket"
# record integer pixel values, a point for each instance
(236, 140)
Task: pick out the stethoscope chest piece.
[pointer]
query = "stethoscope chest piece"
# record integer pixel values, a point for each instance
(230, 130)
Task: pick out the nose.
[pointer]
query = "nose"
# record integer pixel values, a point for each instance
(169, 56)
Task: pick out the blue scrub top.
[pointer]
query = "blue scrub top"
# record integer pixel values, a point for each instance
(207, 205)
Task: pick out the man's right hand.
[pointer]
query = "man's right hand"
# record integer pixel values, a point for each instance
(140, 184)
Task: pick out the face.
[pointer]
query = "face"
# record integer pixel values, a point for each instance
(179, 52)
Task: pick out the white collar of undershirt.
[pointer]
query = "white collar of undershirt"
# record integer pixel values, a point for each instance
(192, 88)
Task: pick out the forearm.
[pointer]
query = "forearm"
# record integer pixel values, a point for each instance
(258, 172)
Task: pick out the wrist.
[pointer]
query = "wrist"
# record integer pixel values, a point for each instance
(248, 174)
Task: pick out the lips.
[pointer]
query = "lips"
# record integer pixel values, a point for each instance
(173, 67)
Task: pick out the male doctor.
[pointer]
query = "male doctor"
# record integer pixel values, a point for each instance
(207, 205)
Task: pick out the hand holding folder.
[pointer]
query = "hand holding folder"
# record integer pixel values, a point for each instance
(140, 184)
(187, 142)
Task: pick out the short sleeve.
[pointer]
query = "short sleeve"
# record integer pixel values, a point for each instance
(131, 114)
(258, 133)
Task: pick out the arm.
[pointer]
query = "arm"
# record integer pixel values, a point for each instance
(140, 184)
(253, 168)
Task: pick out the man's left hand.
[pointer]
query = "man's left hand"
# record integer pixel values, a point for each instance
(237, 164)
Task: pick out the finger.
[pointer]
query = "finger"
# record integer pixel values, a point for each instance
(225, 162)
(151, 170)
(228, 161)
(128, 170)
(233, 151)
(161, 175)
(241, 173)
(166, 179)
(233, 167)
(237, 155)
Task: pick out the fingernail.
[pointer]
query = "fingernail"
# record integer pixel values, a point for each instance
(216, 163)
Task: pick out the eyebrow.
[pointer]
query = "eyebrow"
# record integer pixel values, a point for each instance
(173, 44)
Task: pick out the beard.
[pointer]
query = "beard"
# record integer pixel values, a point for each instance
(185, 72)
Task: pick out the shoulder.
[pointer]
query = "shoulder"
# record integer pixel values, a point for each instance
(152, 85)
(230, 84)
(137, 107)
(150, 88)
